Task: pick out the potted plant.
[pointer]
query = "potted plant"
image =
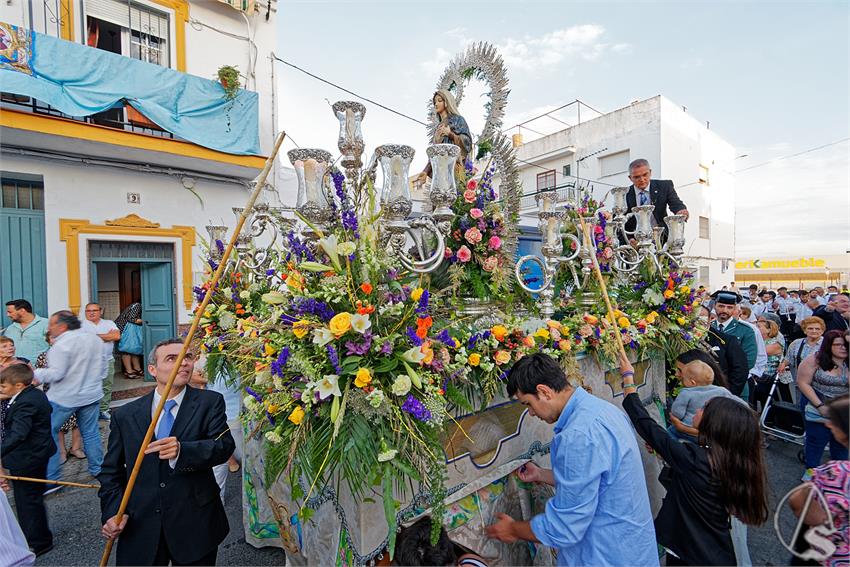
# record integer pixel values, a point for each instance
(228, 76)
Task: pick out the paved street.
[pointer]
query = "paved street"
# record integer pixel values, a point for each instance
(75, 519)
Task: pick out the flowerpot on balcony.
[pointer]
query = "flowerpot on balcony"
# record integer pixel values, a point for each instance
(136, 118)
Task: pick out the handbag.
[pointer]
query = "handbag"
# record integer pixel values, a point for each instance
(131, 339)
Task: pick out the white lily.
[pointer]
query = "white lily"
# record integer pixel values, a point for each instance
(360, 323)
(330, 244)
(322, 336)
(413, 355)
(327, 386)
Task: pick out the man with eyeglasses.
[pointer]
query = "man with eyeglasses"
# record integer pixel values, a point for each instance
(647, 191)
(107, 332)
(175, 513)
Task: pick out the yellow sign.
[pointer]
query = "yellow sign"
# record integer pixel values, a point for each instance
(759, 264)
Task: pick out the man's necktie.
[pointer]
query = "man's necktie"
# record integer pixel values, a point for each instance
(167, 421)
(644, 198)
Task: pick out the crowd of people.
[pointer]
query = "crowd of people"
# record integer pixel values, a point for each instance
(789, 346)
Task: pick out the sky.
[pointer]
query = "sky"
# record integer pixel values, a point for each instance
(772, 78)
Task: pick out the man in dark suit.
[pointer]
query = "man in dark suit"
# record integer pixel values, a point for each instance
(27, 446)
(730, 355)
(647, 191)
(174, 513)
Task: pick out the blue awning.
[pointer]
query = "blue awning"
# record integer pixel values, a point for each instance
(81, 81)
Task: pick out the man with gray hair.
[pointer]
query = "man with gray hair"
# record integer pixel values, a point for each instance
(647, 191)
(74, 372)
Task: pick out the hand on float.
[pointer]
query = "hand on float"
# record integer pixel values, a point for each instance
(503, 529)
(529, 472)
(167, 448)
(111, 529)
(684, 213)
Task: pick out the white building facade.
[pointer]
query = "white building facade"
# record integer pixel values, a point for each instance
(597, 153)
(112, 208)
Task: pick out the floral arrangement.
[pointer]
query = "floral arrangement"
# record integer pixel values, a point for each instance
(475, 249)
(348, 371)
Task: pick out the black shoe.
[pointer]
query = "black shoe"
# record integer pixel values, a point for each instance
(42, 550)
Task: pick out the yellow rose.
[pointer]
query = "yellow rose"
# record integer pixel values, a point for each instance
(474, 359)
(500, 332)
(428, 352)
(684, 290)
(542, 332)
(416, 294)
(363, 378)
(502, 356)
(668, 293)
(300, 328)
(624, 322)
(268, 350)
(340, 324)
(681, 320)
(297, 415)
(564, 345)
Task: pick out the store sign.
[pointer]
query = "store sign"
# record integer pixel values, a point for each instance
(780, 263)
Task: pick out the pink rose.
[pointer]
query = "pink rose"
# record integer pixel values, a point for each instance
(490, 264)
(598, 229)
(476, 213)
(494, 243)
(472, 184)
(469, 195)
(473, 235)
(608, 253)
(448, 252)
(464, 254)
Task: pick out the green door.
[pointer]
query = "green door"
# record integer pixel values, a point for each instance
(157, 303)
(23, 257)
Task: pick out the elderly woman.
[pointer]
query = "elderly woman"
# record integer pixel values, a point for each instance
(822, 378)
(774, 344)
(800, 349)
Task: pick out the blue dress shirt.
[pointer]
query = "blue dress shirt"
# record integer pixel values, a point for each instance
(600, 513)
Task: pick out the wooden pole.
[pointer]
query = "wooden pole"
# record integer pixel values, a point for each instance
(45, 481)
(588, 239)
(259, 183)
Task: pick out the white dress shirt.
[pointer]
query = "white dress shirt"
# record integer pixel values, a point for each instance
(103, 327)
(179, 399)
(74, 369)
(761, 354)
(784, 305)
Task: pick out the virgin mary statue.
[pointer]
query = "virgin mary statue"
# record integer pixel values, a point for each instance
(452, 129)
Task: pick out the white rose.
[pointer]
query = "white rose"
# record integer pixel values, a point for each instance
(401, 386)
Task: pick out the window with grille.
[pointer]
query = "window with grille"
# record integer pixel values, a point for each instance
(567, 170)
(546, 180)
(144, 31)
(704, 227)
(19, 194)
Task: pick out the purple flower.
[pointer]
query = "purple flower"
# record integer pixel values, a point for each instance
(308, 306)
(392, 274)
(212, 264)
(334, 358)
(386, 348)
(298, 248)
(219, 246)
(415, 408)
(199, 293)
(445, 338)
(254, 394)
(277, 365)
(422, 308)
(360, 348)
(411, 334)
(270, 272)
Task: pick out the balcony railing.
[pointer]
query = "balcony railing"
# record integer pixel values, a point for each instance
(118, 118)
(50, 17)
(528, 203)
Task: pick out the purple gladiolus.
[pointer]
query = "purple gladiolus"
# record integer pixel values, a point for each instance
(415, 408)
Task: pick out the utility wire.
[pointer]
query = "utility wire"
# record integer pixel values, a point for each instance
(810, 150)
(352, 93)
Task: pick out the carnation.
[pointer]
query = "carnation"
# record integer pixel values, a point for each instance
(494, 243)
(473, 235)
(476, 213)
(464, 254)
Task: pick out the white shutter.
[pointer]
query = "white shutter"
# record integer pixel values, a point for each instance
(149, 22)
(113, 11)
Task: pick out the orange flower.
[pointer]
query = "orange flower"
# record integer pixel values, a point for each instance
(428, 352)
(499, 332)
(366, 288)
(365, 310)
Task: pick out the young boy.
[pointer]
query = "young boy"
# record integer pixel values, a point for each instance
(698, 387)
(26, 448)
